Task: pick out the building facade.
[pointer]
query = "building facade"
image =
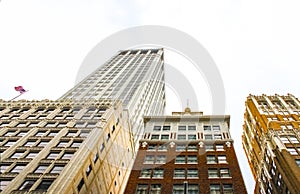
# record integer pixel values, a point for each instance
(187, 152)
(271, 142)
(84, 142)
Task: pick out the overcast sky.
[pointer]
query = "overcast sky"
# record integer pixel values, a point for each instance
(255, 45)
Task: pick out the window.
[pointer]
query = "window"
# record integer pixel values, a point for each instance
(181, 128)
(63, 144)
(22, 134)
(91, 124)
(76, 144)
(9, 133)
(3, 184)
(209, 147)
(178, 189)
(102, 147)
(53, 133)
(29, 143)
(18, 168)
(207, 128)
(208, 137)
(71, 133)
(293, 139)
(88, 170)
(3, 167)
(219, 147)
(67, 155)
(149, 159)
(10, 142)
(213, 173)
(193, 189)
(191, 137)
(17, 154)
(192, 147)
(40, 133)
(180, 147)
(222, 159)
(181, 137)
(298, 162)
(141, 189)
(180, 159)
(44, 185)
(211, 159)
(43, 143)
(166, 128)
(155, 189)
(215, 189)
(192, 127)
(41, 168)
(218, 136)
(216, 128)
(84, 133)
(151, 147)
(160, 159)
(192, 159)
(192, 173)
(227, 189)
(155, 137)
(53, 155)
(179, 173)
(51, 124)
(27, 184)
(163, 147)
(56, 169)
(145, 173)
(32, 154)
(156, 128)
(158, 173)
(164, 137)
(292, 151)
(224, 173)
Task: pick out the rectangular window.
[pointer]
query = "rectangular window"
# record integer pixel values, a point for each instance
(228, 189)
(292, 151)
(27, 184)
(213, 173)
(53, 155)
(166, 128)
(191, 159)
(222, 159)
(44, 185)
(84, 133)
(76, 144)
(43, 143)
(41, 169)
(224, 173)
(18, 168)
(141, 189)
(156, 128)
(215, 189)
(207, 128)
(192, 147)
(149, 159)
(17, 155)
(219, 147)
(53, 133)
(179, 173)
(193, 189)
(209, 148)
(216, 128)
(155, 189)
(151, 147)
(192, 173)
(160, 159)
(63, 144)
(56, 169)
(208, 137)
(192, 127)
(145, 173)
(32, 154)
(180, 148)
(164, 137)
(217, 136)
(178, 189)
(29, 143)
(67, 155)
(10, 143)
(181, 128)
(3, 167)
(298, 162)
(180, 159)
(163, 147)
(3, 184)
(191, 137)
(158, 173)
(181, 137)
(155, 137)
(211, 159)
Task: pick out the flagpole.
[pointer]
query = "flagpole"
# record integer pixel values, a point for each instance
(19, 95)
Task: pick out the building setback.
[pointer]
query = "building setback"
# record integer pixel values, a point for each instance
(86, 141)
(187, 152)
(272, 144)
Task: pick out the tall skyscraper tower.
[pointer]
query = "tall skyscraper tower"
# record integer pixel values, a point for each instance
(271, 140)
(84, 142)
(188, 153)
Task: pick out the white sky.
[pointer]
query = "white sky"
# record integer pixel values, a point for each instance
(255, 45)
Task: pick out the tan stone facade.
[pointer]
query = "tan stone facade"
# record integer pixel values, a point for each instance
(64, 146)
(271, 142)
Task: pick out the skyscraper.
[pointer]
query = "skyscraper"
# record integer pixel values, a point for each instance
(187, 152)
(271, 142)
(84, 142)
